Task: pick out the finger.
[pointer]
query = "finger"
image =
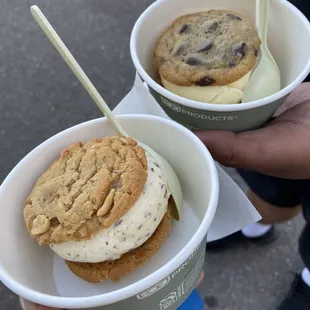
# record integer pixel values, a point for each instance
(231, 149)
(271, 150)
(200, 279)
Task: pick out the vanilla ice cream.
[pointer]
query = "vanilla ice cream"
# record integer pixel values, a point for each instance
(130, 231)
(229, 94)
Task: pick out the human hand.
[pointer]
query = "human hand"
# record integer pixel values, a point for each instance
(200, 279)
(281, 148)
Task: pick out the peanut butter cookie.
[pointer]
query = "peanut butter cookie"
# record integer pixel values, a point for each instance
(88, 188)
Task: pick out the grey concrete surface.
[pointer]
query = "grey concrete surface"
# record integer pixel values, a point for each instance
(40, 97)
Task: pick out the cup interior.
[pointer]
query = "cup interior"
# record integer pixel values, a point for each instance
(31, 270)
(288, 35)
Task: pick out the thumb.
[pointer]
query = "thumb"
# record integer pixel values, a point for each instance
(221, 145)
(262, 150)
(238, 150)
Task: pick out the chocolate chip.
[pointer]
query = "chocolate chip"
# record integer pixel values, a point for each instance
(256, 52)
(180, 50)
(183, 28)
(206, 46)
(156, 165)
(114, 247)
(213, 26)
(152, 169)
(239, 49)
(231, 65)
(193, 61)
(162, 186)
(155, 219)
(106, 242)
(166, 192)
(139, 227)
(118, 223)
(233, 17)
(205, 81)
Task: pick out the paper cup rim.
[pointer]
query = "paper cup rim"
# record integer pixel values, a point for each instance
(152, 279)
(211, 106)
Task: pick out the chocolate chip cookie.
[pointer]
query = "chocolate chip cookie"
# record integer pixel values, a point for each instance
(214, 47)
(88, 188)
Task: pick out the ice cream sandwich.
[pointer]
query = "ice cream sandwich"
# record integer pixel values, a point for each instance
(207, 56)
(102, 206)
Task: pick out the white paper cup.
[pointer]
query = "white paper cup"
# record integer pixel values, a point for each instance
(38, 275)
(288, 40)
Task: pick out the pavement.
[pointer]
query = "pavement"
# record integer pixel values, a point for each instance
(39, 97)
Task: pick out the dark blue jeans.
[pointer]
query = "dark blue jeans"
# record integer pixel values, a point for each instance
(284, 194)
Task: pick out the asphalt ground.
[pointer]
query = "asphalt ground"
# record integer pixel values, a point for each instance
(39, 97)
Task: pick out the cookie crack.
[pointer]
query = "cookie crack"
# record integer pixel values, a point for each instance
(86, 181)
(74, 182)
